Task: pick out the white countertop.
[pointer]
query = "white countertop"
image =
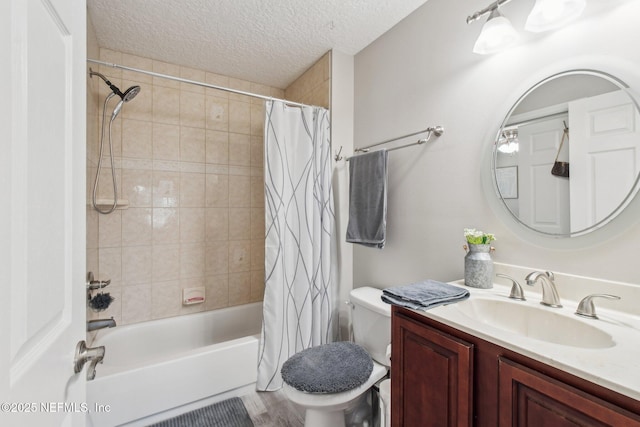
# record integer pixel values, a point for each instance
(616, 367)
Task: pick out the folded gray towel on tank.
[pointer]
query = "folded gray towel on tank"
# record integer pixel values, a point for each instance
(368, 199)
(424, 295)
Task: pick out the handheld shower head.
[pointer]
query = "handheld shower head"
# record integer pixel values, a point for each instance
(127, 96)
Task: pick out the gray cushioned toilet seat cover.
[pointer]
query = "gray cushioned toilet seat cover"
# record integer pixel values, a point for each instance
(328, 368)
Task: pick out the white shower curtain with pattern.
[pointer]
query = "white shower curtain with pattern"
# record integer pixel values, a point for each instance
(299, 300)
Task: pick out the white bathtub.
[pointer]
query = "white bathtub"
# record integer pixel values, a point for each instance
(155, 370)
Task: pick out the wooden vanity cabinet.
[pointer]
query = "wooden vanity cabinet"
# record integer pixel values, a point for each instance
(443, 377)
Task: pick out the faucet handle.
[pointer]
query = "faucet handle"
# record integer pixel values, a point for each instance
(516, 289)
(586, 308)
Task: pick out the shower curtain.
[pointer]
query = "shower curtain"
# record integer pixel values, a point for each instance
(299, 309)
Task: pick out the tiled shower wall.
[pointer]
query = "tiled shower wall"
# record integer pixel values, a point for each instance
(189, 163)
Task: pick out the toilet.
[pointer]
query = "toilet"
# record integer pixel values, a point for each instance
(371, 323)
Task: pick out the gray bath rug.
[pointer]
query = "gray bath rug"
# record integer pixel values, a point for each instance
(228, 413)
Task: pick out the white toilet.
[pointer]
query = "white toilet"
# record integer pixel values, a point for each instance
(371, 323)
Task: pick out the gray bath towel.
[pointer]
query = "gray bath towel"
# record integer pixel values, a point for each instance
(368, 199)
(424, 295)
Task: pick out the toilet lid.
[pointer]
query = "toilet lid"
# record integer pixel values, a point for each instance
(328, 368)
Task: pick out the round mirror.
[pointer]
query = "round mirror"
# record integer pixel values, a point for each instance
(566, 159)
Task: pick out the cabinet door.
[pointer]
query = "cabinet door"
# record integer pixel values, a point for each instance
(431, 376)
(531, 399)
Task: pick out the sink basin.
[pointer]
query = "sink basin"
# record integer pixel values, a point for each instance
(539, 323)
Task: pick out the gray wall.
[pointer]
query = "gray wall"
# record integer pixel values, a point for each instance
(423, 73)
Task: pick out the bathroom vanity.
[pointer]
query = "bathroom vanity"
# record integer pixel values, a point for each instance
(458, 365)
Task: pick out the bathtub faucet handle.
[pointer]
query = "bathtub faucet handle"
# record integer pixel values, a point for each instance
(93, 284)
(85, 354)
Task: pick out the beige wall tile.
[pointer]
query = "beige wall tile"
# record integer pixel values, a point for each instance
(216, 225)
(217, 113)
(166, 225)
(217, 291)
(137, 187)
(239, 223)
(217, 147)
(257, 223)
(239, 149)
(239, 255)
(239, 191)
(110, 230)
(192, 256)
(93, 261)
(166, 189)
(136, 227)
(110, 260)
(92, 228)
(216, 191)
(165, 262)
(166, 105)
(257, 119)
(257, 151)
(136, 139)
(136, 303)
(217, 258)
(192, 190)
(239, 288)
(192, 109)
(257, 286)
(257, 192)
(166, 141)
(192, 225)
(166, 299)
(192, 144)
(239, 117)
(136, 265)
(257, 254)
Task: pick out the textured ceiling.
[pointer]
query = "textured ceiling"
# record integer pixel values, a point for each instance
(265, 41)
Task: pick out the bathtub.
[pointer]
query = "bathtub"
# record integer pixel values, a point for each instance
(155, 370)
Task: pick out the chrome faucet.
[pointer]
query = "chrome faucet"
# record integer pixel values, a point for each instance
(94, 325)
(549, 292)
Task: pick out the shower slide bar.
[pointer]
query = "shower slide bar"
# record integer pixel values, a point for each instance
(436, 130)
(197, 83)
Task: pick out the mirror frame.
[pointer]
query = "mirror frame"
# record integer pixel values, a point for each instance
(623, 204)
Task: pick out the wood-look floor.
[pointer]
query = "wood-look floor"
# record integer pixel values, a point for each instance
(272, 409)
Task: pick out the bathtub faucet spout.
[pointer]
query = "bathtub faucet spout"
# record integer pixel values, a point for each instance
(94, 325)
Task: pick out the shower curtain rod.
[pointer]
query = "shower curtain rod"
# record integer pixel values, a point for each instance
(197, 83)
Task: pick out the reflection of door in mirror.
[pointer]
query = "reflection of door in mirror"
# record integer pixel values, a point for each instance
(605, 155)
(544, 198)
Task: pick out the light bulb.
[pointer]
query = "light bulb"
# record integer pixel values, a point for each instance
(497, 34)
(549, 14)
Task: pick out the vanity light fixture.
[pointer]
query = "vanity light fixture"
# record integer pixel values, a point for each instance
(549, 14)
(498, 33)
(508, 141)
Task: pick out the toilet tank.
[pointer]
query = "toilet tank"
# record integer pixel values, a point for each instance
(371, 320)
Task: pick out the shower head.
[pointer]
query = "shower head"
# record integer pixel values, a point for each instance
(130, 93)
(127, 96)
